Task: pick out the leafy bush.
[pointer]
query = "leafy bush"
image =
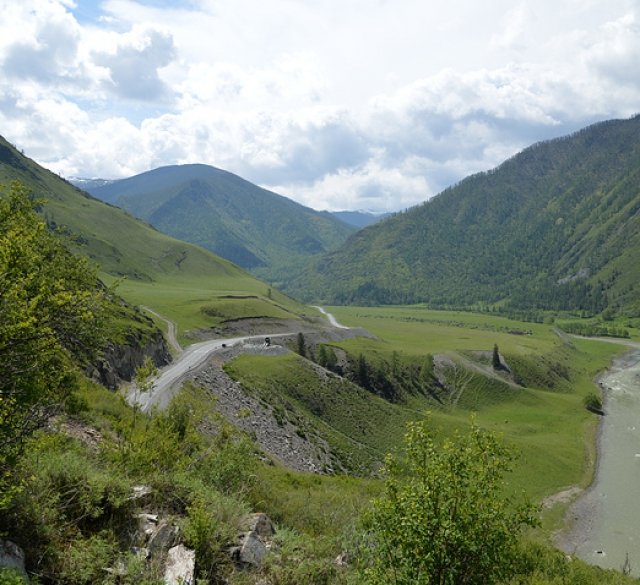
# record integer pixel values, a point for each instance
(11, 577)
(51, 315)
(593, 402)
(443, 517)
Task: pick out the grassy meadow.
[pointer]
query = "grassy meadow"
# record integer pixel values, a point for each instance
(194, 303)
(544, 421)
(549, 428)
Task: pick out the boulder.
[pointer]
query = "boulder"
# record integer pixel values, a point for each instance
(261, 524)
(252, 550)
(147, 524)
(163, 538)
(254, 541)
(12, 557)
(180, 567)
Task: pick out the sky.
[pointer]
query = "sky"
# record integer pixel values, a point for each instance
(338, 104)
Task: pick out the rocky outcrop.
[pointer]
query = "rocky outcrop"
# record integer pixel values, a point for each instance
(162, 538)
(180, 566)
(254, 542)
(119, 361)
(277, 437)
(12, 557)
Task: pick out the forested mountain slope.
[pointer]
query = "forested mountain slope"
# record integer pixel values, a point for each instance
(178, 279)
(120, 244)
(556, 226)
(255, 228)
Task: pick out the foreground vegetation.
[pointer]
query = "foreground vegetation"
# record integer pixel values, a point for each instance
(76, 481)
(73, 514)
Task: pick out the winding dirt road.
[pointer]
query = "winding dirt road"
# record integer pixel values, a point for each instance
(167, 383)
(332, 320)
(172, 339)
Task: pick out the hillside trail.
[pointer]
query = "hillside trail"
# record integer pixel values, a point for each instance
(171, 330)
(166, 383)
(332, 320)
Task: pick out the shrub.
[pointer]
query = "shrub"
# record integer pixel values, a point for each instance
(593, 402)
(443, 518)
(11, 577)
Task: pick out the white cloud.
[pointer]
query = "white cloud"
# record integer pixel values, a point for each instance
(133, 67)
(353, 104)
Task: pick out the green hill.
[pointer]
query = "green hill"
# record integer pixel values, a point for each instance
(178, 279)
(255, 228)
(555, 227)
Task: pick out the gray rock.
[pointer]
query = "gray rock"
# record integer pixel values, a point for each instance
(261, 524)
(180, 567)
(119, 361)
(163, 538)
(140, 492)
(12, 557)
(147, 524)
(252, 550)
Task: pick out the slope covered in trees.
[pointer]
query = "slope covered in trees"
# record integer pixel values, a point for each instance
(555, 227)
(254, 228)
(52, 316)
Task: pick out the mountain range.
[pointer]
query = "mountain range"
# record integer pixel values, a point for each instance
(357, 219)
(256, 229)
(555, 227)
(121, 245)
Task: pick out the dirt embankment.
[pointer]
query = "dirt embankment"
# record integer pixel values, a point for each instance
(277, 438)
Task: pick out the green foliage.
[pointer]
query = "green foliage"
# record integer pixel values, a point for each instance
(542, 565)
(593, 329)
(358, 426)
(84, 560)
(301, 347)
(254, 228)
(51, 317)
(229, 466)
(593, 402)
(495, 358)
(164, 442)
(327, 357)
(11, 577)
(208, 532)
(70, 513)
(444, 518)
(297, 559)
(555, 227)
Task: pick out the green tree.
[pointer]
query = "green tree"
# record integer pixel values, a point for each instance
(301, 347)
(443, 518)
(322, 356)
(495, 358)
(362, 372)
(51, 318)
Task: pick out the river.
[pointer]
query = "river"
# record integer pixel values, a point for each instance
(605, 520)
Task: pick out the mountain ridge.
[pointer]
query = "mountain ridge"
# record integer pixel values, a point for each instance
(554, 227)
(255, 228)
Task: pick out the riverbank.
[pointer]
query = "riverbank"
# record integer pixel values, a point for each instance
(603, 525)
